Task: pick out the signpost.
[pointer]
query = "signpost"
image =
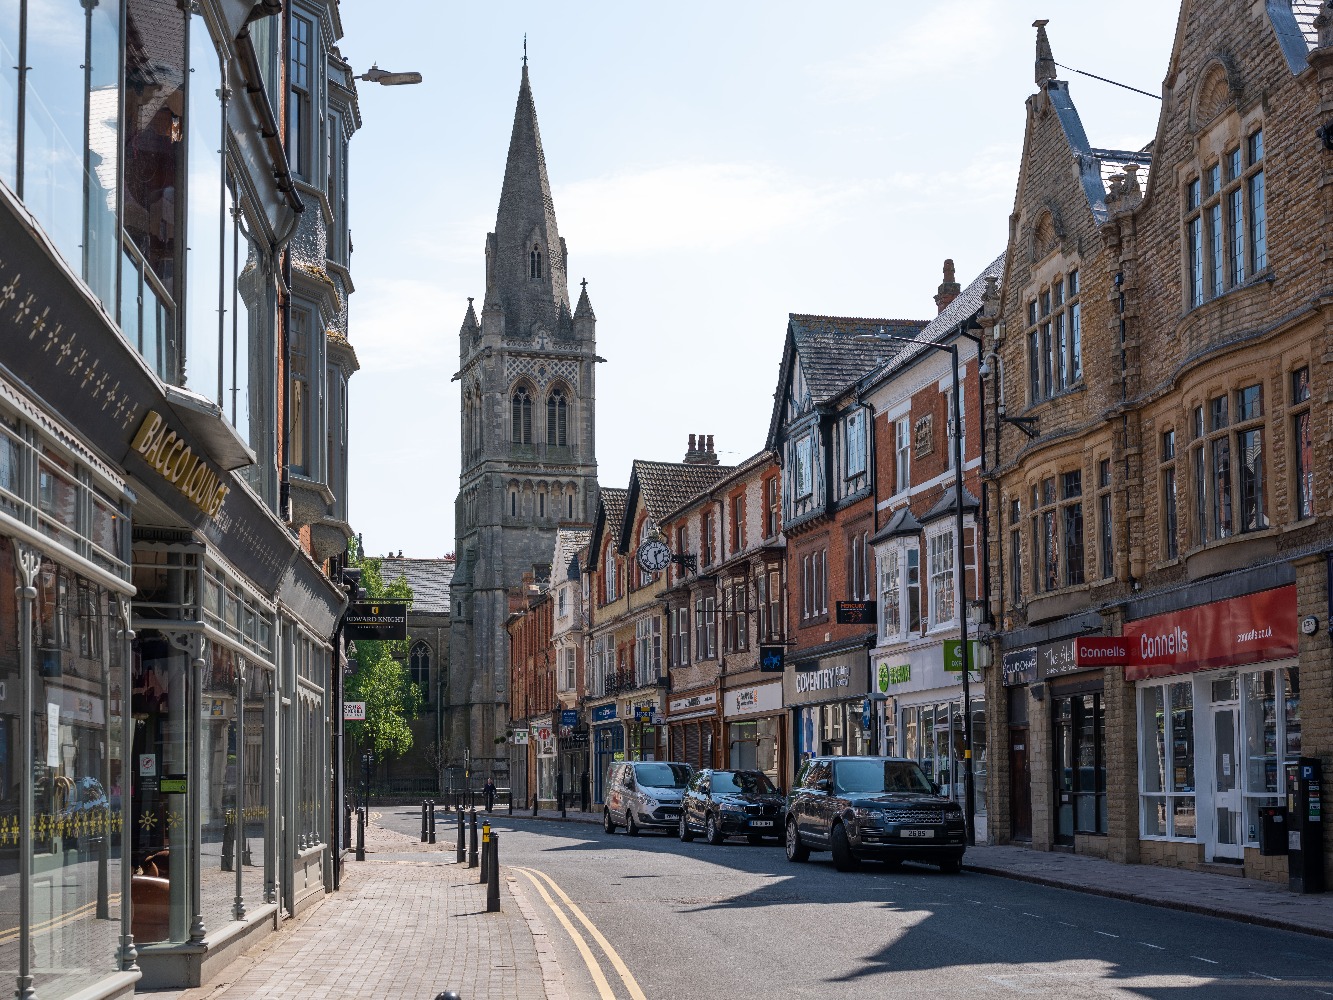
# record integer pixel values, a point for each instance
(354, 711)
(953, 655)
(771, 659)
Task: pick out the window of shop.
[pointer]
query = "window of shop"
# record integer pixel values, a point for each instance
(943, 590)
(1302, 445)
(1055, 338)
(933, 736)
(1166, 760)
(735, 615)
(1057, 531)
(754, 746)
(705, 625)
(1079, 758)
(769, 583)
(1170, 527)
(1228, 463)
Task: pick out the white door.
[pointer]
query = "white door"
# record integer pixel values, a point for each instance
(1227, 839)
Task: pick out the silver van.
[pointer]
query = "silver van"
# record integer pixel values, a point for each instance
(644, 794)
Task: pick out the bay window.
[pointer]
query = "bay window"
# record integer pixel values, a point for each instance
(943, 589)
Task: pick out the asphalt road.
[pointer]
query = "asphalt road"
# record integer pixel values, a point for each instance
(738, 921)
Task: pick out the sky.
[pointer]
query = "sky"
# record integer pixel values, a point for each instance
(714, 167)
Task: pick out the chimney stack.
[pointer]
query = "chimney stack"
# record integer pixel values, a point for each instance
(948, 290)
(701, 450)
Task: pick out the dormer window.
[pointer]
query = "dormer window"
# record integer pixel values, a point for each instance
(535, 262)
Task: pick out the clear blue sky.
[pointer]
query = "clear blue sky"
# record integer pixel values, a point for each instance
(714, 168)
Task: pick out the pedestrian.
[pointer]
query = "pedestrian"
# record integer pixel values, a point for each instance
(490, 794)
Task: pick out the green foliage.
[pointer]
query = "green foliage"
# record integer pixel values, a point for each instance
(381, 679)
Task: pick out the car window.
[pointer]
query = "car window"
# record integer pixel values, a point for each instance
(880, 776)
(662, 775)
(743, 783)
(819, 770)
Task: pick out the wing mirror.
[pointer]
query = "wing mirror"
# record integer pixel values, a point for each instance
(822, 785)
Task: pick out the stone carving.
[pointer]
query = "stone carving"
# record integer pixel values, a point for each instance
(542, 371)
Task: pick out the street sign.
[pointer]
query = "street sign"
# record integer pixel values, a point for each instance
(569, 717)
(771, 659)
(520, 737)
(354, 711)
(375, 620)
(855, 612)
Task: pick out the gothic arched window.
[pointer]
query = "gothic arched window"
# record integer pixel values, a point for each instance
(476, 421)
(557, 418)
(420, 667)
(522, 416)
(535, 262)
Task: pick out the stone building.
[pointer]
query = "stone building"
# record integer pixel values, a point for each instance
(1172, 494)
(528, 443)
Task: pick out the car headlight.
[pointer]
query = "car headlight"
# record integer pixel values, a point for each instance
(953, 813)
(868, 817)
(650, 803)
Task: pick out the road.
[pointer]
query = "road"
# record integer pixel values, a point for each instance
(739, 921)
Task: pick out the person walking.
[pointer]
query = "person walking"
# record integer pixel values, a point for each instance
(490, 794)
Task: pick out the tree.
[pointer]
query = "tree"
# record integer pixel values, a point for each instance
(381, 679)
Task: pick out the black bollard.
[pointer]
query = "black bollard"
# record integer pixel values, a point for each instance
(493, 882)
(361, 834)
(460, 856)
(560, 793)
(430, 804)
(485, 851)
(228, 844)
(424, 821)
(472, 843)
(347, 826)
(511, 801)
(534, 803)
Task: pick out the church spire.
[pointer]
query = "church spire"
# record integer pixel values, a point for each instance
(529, 274)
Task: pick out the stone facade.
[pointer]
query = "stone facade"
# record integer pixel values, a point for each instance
(529, 462)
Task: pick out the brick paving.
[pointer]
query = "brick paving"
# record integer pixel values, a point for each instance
(407, 924)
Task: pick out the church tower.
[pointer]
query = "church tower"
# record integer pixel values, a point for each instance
(528, 423)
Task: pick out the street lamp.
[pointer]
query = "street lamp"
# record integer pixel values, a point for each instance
(386, 79)
(969, 809)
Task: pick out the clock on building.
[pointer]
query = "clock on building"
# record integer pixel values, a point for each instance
(653, 556)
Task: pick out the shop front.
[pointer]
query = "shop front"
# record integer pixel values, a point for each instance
(1218, 693)
(1057, 746)
(542, 743)
(693, 723)
(826, 696)
(924, 718)
(647, 734)
(572, 768)
(608, 744)
(756, 729)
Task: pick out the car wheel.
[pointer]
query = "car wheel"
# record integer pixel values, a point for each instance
(631, 828)
(713, 830)
(843, 858)
(951, 866)
(796, 851)
(607, 824)
(686, 834)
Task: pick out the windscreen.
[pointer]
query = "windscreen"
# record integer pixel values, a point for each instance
(880, 776)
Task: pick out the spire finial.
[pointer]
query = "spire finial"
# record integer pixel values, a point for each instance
(1045, 64)
(584, 284)
(525, 50)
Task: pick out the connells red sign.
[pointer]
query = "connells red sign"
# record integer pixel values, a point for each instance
(1249, 629)
(1101, 651)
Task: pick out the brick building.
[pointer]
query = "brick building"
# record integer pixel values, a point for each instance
(820, 435)
(533, 706)
(1172, 494)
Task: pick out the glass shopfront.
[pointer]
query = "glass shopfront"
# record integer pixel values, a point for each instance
(933, 735)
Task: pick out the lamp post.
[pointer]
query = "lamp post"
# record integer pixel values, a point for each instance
(386, 79)
(969, 810)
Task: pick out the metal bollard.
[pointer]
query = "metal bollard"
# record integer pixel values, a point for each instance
(472, 843)
(534, 803)
(493, 882)
(430, 803)
(460, 856)
(560, 793)
(511, 802)
(361, 835)
(424, 822)
(485, 850)
(447, 995)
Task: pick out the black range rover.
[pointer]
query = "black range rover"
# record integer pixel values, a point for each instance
(871, 807)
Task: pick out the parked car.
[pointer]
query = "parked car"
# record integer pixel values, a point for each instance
(872, 807)
(722, 804)
(644, 794)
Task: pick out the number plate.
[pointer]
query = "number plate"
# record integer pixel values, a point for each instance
(671, 813)
(761, 822)
(917, 833)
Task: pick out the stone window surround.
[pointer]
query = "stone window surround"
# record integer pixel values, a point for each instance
(1054, 271)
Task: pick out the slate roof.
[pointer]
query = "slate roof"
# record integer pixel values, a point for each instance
(606, 524)
(733, 473)
(903, 522)
(614, 502)
(568, 541)
(666, 486)
(428, 578)
(831, 356)
(1293, 26)
(947, 505)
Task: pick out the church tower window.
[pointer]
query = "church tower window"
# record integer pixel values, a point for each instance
(535, 262)
(522, 416)
(557, 419)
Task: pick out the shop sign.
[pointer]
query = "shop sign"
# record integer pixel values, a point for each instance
(701, 700)
(604, 713)
(175, 461)
(953, 655)
(772, 659)
(830, 678)
(1057, 658)
(569, 717)
(1019, 667)
(173, 784)
(148, 765)
(354, 711)
(1101, 651)
(855, 612)
(753, 700)
(1249, 629)
(888, 673)
(520, 737)
(825, 679)
(373, 620)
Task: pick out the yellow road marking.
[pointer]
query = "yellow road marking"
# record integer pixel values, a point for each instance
(590, 960)
(621, 968)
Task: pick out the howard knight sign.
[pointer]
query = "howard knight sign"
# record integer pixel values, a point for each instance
(372, 620)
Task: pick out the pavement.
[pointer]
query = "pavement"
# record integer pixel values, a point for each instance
(407, 923)
(1247, 900)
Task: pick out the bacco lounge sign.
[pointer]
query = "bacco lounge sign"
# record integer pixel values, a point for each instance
(1249, 629)
(162, 448)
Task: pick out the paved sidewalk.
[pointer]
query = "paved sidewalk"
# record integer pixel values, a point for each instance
(407, 924)
(1246, 900)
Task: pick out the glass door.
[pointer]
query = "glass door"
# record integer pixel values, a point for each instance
(1227, 840)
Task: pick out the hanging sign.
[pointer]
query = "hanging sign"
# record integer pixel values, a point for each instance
(375, 620)
(354, 711)
(855, 612)
(771, 659)
(953, 655)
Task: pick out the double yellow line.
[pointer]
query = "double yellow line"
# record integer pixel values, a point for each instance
(540, 881)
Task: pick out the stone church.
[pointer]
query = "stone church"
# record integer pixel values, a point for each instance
(528, 443)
